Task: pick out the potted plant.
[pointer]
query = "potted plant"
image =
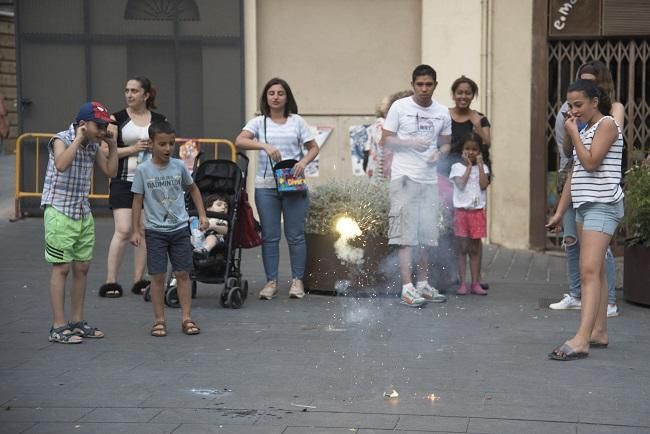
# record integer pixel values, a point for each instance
(636, 280)
(346, 233)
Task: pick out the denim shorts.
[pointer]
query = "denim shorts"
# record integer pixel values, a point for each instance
(175, 245)
(600, 217)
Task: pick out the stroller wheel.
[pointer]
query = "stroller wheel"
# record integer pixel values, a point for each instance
(223, 298)
(244, 289)
(171, 298)
(231, 282)
(235, 297)
(194, 288)
(147, 294)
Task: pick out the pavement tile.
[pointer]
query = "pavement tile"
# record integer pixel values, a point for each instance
(502, 426)
(38, 414)
(433, 423)
(207, 415)
(611, 429)
(15, 427)
(318, 430)
(102, 428)
(120, 414)
(382, 431)
(332, 420)
(196, 428)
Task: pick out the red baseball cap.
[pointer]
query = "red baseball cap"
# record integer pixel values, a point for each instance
(94, 111)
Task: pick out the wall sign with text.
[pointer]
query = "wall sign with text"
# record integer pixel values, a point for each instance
(574, 17)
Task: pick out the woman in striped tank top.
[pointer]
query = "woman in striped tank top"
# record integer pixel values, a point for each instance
(597, 197)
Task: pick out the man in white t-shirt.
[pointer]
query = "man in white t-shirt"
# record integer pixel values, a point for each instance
(418, 129)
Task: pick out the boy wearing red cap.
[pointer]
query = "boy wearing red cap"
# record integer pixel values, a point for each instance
(69, 224)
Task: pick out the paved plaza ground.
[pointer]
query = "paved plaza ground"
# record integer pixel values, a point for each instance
(318, 365)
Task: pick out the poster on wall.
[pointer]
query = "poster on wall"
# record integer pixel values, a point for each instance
(358, 143)
(188, 152)
(321, 134)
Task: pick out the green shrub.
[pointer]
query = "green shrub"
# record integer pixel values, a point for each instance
(364, 200)
(637, 204)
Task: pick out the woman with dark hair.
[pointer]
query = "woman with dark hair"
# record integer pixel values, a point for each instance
(594, 190)
(133, 148)
(600, 75)
(280, 134)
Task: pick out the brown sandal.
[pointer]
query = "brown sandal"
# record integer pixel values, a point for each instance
(159, 329)
(190, 327)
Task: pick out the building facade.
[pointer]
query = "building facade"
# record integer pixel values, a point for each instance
(210, 59)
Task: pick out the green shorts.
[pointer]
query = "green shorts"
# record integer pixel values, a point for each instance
(67, 239)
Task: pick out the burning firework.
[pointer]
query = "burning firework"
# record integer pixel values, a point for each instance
(348, 229)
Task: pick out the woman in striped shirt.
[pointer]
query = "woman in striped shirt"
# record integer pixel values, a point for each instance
(597, 197)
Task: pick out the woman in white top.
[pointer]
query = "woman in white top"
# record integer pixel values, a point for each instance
(597, 197)
(133, 148)
(280, 134)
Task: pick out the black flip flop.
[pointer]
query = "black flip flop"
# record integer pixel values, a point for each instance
(110, 290)
(598, 344)
(139, 286)
(564, 353)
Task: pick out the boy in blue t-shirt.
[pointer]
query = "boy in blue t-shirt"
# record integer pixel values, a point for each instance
(159, 184)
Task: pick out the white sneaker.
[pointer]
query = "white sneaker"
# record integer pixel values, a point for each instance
(430, 293)
(269, 291)
(410, 296)
(297, 289)
(568, 302)
(612, 310)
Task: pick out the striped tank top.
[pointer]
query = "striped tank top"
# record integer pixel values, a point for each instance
(603, 185)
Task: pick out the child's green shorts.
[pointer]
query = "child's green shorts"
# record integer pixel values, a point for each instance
(67, 239)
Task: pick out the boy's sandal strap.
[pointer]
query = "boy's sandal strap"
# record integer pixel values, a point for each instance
(190, 327)
(63, 335)
(159, 329)
(82, 329)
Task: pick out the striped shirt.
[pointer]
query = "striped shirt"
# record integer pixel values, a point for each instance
(68, 191)
(603, 185)
(289, 138)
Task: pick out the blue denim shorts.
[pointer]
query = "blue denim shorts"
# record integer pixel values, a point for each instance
(175, 245)
(600, 217)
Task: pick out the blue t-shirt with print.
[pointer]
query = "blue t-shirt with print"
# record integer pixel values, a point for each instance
(163, 188)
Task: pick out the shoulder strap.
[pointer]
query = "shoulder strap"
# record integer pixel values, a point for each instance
(121, 117)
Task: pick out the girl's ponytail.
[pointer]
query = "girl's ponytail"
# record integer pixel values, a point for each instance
(604, 101)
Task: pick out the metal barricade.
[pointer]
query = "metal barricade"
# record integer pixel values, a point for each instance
(32, 156)
(31, 162)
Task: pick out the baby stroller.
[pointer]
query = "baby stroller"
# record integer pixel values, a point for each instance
(223, 264)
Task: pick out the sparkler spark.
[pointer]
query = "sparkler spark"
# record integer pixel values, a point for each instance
(391, 395)
(433, 397)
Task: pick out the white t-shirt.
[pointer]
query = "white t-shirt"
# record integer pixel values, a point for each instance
(470, 197)
(131, 133)
(409, 120)
(289, 138)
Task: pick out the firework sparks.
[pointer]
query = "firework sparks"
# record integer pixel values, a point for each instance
(348, 229)
(392, 394)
